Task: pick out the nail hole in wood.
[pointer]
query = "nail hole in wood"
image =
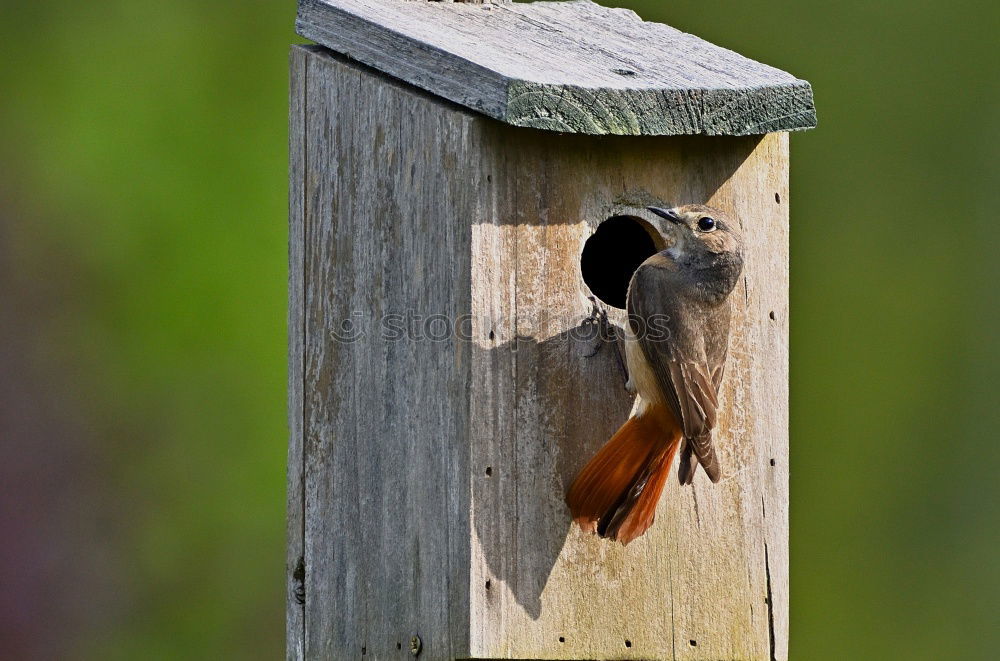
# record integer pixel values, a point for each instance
(613, 253)
(488, 584)
(772, 462)
(777, 198)
(489, 471)
(364, 650)
(771, 315)
(694, 643)
(492, 336)
(562, 639)
(628, 643)
(399, 646)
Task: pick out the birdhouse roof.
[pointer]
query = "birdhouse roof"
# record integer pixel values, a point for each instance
(575, 67)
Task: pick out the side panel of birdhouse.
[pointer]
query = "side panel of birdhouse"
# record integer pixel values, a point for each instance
(709, 579)
(378, 476)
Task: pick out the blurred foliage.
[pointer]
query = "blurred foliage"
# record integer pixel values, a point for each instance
(142, 209)
(145, 150)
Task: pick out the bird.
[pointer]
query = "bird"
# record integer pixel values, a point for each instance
(676, 341)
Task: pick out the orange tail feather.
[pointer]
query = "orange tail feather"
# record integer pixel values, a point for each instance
(616, 493)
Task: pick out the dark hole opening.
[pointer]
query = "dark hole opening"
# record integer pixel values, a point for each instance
(628, 643)
(613, 253)
(694, 643)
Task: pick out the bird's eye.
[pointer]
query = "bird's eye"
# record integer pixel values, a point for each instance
(706, 224)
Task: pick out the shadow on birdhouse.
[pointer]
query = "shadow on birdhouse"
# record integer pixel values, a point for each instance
(548, 389)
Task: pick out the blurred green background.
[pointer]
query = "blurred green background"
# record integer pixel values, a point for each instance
(142, 308)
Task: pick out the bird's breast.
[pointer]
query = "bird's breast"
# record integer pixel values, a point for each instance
(640, 373)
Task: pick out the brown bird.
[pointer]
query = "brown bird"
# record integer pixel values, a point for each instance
(675, 347)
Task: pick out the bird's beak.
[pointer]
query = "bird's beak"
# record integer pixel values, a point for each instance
(669, 214)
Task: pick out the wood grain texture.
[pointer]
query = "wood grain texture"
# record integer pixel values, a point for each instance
(573, 67)
(435, 467)
(386, 541)
(294, 563)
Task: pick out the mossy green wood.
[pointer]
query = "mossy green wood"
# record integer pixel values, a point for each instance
(574, 67)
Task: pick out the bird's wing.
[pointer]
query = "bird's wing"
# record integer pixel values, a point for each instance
(677, 357)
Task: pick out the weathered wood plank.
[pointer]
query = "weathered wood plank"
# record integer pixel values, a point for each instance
(574, 66)
(702, 573)
(386, 504)
(294, 565)
(435, 470)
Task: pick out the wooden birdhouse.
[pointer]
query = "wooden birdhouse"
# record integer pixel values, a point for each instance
(469, 185)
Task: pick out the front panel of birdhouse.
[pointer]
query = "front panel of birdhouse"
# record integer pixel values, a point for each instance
(454, 366)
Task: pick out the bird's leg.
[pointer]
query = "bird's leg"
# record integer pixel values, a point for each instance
(594, 321)
(608, 333)
(622, 365)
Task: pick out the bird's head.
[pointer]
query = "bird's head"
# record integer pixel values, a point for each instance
(700, 233)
